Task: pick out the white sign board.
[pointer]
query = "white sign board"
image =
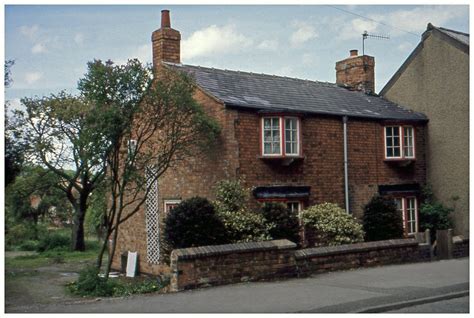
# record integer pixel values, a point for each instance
(131, 264)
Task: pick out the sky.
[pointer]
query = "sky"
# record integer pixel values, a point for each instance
(51, 44)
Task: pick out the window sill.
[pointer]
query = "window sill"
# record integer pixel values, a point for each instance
(284, 160)
(400, 161)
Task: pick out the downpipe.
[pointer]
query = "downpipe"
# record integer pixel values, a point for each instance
(346, 173)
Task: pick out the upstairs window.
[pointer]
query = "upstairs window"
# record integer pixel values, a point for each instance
(280, 136)
(399, 142)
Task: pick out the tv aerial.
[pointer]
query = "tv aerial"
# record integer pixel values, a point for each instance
(366, 35)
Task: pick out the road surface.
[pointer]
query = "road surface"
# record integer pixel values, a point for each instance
(366, 289)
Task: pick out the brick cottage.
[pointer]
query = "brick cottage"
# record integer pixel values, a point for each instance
(296, 141)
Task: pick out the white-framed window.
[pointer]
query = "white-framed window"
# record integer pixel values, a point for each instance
(271, 136)
(170, 205)
(408, 207)
(399, 142)
(280, 136)
(408, 142)
(291, 136)
(411, 212)
(295, 207)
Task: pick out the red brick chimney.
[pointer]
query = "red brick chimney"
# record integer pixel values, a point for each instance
(166, 42)
(356, 72)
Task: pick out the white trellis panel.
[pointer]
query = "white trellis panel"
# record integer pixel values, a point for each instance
(152, 219)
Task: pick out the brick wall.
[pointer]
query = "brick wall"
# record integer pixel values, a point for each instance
(194, 176)
(357, 72)
(233, 263)
(323, 166)
(323, 259)
(460, 247)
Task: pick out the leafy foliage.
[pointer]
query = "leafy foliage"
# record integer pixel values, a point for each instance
(382, 220)
(90, 283)
(434, 215)
(40, 184)
(230, 195)
(241, 224)
(282, 223)
(54, 241)
(331, 225)
(94, 220)
(194, 223)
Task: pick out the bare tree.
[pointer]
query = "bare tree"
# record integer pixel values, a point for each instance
(168, 126)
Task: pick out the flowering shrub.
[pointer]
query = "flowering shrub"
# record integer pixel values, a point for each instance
(241, 225)
(328, 224)
(244, 226)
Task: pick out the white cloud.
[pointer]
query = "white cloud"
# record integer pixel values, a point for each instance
(303, 33)
(213, 40)
(32, 77)
(143, 53)
(405, 46)
(412, 20)
(38, 48)
(79, 38)
(269, 45)
(29, 31)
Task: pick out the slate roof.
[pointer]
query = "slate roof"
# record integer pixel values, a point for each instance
(460, 36)
(271, 93)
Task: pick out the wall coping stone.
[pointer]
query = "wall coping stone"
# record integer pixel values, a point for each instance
(460, 239)
(213, 250)
(353, 248)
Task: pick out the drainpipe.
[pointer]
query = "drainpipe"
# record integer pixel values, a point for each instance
(346, 174)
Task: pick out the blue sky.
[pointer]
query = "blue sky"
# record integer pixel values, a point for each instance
(52, 44)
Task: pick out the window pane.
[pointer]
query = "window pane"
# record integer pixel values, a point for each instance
(267, 135)
(291, 136)
(267, 148)
(267, 123)
(408, 149)
(396, 152)
(276, 123)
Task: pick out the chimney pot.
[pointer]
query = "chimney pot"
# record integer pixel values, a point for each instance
(165, 19)
(353, 52)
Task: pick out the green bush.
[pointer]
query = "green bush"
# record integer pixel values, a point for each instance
(194, 223)
(282, 223)
(29, 245)
(382, 220)
(90, 283)
(241, 225)
(54, 241)
(244, 226)
(328, 224)
(231, 196)
(19, 233)
(434, 215)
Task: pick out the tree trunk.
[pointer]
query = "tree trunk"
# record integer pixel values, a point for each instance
(78, 243)
(111, 253)
(100, 258)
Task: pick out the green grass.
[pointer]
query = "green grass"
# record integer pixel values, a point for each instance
(50, 257)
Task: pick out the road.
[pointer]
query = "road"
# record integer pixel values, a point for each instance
(367, 289)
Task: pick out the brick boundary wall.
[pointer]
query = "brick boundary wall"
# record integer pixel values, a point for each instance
(233, 263)
(460, 247)
(322, 259)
